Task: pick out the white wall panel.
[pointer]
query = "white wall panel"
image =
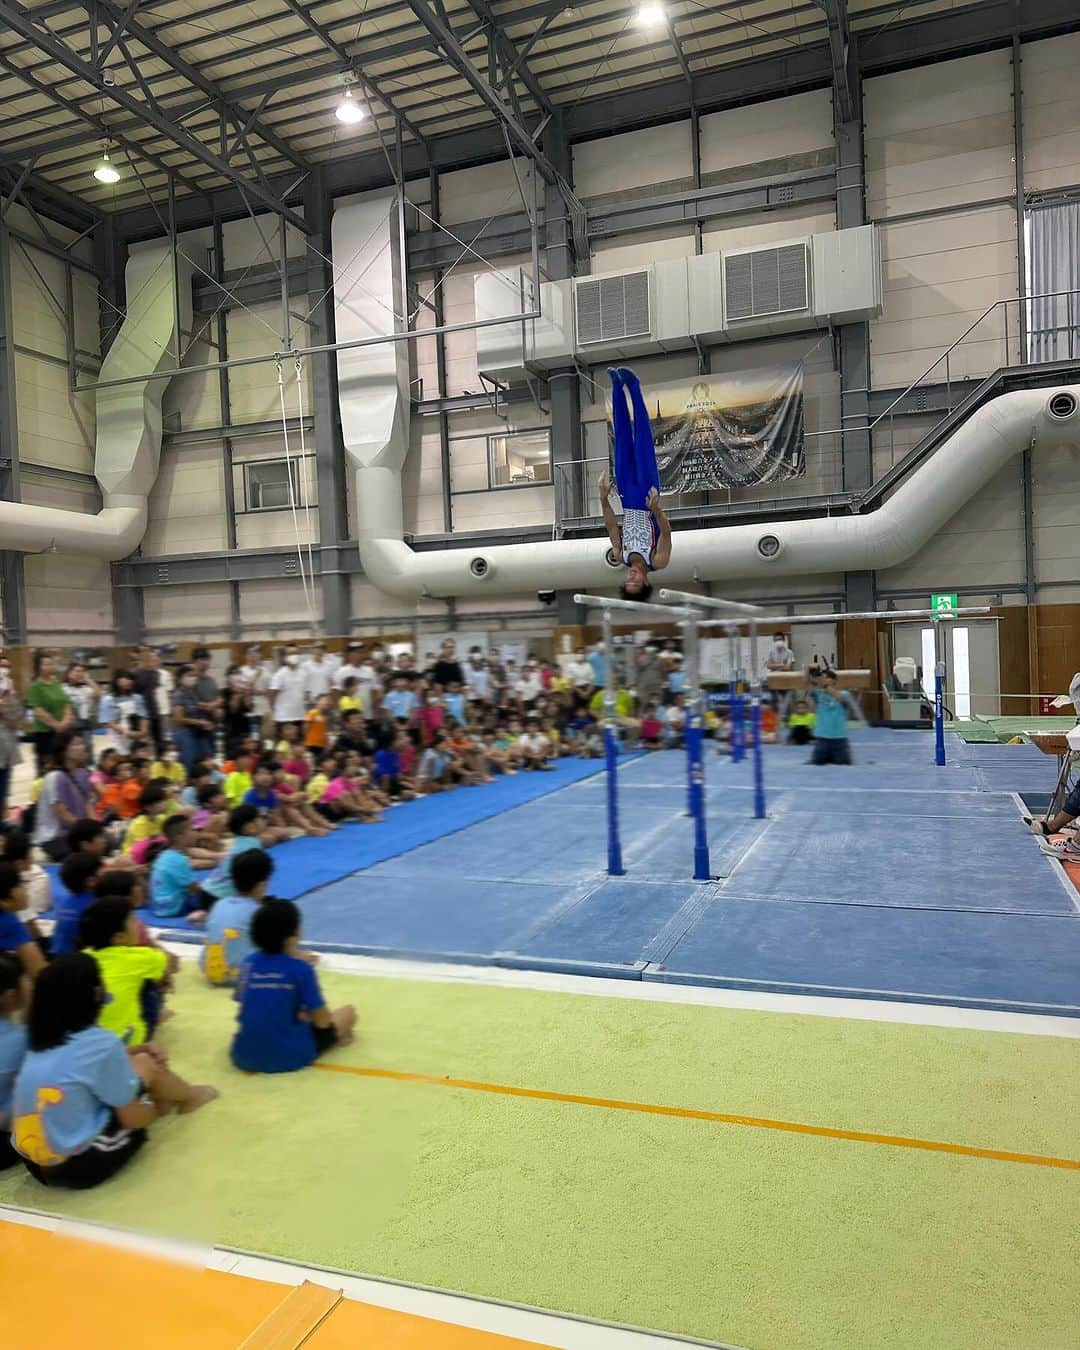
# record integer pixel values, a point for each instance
(253, 390)
(249, 245)
(1051, 99)
(38, 300)
(269, 529)
(771, 228)
(421, 480)
(366, 602)
(186, 610)
(278, 600)
(939, 135)
(56, 426)
(776, 129)
(187, 505)
(486, 190)
(656, 157)
(65, 591)
(192, 401)
(982, 545)
(940, 275)
(1055, 511)
(495, 510)
(636, 250)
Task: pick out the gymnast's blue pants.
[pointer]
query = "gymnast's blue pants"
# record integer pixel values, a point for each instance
(635, 455)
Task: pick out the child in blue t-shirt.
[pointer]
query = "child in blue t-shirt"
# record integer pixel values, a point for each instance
(82, 1102)
(174, 889)
(14, 995)
(247, 832)
(831, 745)
(228, 929)
(79, 873)
(15, 937)
(262, 795)
(283, 1021)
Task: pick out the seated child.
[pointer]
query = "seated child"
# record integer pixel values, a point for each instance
(105, 773)
(148, 824)
(174, 890)
(388, 774)
(533, 747)
(15, 937)
(111, 788)
(801, 723)
(131, 788)
(169, 766)
(228, 929)
(189, 795)
(133, 975)
(16, 848)
(317, 724)
(245, 828)
(652, 729)
(283, 1021)
(79, 873)
(210, 817)
(239, 782)
(433, 770)
(293, 808)
(14, 996)
(80, 1107)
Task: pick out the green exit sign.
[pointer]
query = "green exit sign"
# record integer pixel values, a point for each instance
(944, 603)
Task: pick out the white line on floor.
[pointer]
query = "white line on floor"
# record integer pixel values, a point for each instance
(856, 1009)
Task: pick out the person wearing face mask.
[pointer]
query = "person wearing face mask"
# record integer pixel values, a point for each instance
(287, 691)
(83, 694)
(318, 672)
(477, 676)
(193, 727)
(580, 675)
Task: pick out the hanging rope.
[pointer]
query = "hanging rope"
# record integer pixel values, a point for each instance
(292, 494)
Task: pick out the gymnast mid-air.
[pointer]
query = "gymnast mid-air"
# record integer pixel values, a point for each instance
(642, 543)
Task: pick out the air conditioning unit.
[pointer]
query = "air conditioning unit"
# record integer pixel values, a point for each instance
(763, 283)
(610, 309)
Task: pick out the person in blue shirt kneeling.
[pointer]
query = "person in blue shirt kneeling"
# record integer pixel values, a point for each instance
(284, 1023)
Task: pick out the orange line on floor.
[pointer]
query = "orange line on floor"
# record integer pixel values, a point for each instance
(716, 1117)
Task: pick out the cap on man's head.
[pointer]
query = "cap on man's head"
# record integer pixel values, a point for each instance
(200, 654)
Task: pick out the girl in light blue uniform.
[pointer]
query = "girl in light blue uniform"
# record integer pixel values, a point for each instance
(643, 541)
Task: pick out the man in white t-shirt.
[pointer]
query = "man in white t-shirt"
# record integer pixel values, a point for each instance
(477, 676)
(255, 678)
(529, 688)
(287, 686)
(318, 672)
(357, 667)
(779, 656)
(533, 746)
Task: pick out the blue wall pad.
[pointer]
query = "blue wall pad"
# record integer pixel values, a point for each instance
(910, 862)
(983, 960)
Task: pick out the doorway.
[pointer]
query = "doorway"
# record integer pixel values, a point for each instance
(972, 680)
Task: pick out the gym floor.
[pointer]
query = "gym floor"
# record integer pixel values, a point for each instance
(680, 1148)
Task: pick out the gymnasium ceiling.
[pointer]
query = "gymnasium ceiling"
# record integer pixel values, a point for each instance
(209, 93)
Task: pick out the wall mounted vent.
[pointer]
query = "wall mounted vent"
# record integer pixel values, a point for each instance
(767, 281)
(613, 307)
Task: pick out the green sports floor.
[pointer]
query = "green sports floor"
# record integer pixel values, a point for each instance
(746, 1233)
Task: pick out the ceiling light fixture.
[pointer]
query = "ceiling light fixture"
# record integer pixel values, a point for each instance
(105, 171)
(651, 14)
(348, 110)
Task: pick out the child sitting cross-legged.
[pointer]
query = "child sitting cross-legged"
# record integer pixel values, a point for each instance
(228, 929)
(174, 890)
(14, 996)
(147, 826)
(82, 1101)
(15, 937)
(283, 1021)
(266, 802)
(133, 975)
(210, 818)
(294, 808)
(79, 873)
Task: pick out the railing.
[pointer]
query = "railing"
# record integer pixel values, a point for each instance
(1003, 335)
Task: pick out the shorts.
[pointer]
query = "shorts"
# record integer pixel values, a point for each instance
(1071, 805)
(829, 750)
(106, 1155)
(325, 1039)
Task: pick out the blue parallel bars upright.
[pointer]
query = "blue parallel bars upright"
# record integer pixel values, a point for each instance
(695, 730)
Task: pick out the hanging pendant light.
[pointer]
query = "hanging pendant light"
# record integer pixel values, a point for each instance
(348, 110)
(105, 171)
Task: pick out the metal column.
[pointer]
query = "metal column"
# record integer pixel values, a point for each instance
(329, 448)
(12, 579)
(1030, 592)
(611, 755)
(225, 414)
(695, 757)
(440, 367)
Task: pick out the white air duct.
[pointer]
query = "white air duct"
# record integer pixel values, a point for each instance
(128, 438)
(373, 385)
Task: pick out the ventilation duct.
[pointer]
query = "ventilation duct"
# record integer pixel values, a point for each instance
(374, 392)
(127, 447)
(609, 309)
(767, 281)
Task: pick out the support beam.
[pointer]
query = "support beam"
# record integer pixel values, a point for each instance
(843, 78)
(514, 63)
(330, 465)
(12, 580)
(445, 466)
(21, 20)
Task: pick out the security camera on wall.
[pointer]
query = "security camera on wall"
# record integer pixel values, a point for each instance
(546, 597)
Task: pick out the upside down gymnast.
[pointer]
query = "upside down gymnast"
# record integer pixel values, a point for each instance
(642, 543)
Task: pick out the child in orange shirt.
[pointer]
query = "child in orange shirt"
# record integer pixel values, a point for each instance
(317, 724)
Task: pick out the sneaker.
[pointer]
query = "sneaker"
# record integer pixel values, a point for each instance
(1067, 850)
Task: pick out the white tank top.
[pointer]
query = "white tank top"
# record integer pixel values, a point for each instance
(637, 535)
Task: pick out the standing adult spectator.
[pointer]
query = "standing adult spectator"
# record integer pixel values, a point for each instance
(477, 677)
(83, 694)
(256, 678)
(65, 797)
(357, 667)
(147, 680)
(318, 672)
(193, 727)
(287, 685)
(651, 676)
(49, 709)
(10, 714)
(528, 687)
(597, 659)
(580, 675)
(779, 656)
(238, 708)
(123, 712)
(447, 669)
